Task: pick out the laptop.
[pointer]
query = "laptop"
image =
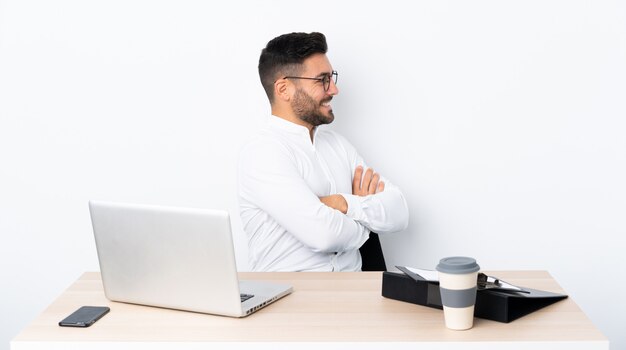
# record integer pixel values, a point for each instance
(177, 258)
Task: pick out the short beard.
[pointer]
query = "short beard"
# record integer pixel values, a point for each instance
(308, 110)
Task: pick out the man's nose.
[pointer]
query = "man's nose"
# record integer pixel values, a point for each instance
(333, 89)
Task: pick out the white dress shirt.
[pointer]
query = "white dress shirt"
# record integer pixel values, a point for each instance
(282, 175)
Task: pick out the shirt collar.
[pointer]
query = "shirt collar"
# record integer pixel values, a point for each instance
(285, 125)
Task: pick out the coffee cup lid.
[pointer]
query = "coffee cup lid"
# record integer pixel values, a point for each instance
(457, 265)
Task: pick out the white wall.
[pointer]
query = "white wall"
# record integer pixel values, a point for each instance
(503, 123)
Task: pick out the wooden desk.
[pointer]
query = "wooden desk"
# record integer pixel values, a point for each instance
(326, 310)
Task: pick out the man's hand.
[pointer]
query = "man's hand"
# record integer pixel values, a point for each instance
(366, 184)
(362, 185)
(336, 201)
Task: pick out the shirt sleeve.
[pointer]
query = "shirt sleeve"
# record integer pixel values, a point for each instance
(269, 178)
(383, 212)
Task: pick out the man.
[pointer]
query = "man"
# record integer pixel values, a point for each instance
(307, 199)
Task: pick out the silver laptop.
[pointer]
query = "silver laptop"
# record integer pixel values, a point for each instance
(175, 258)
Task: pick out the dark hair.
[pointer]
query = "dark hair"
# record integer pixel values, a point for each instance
(284, 55)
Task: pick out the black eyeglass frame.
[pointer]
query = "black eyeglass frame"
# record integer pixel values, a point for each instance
(325, 80)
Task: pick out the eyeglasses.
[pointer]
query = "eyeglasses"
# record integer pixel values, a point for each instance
(325, 79)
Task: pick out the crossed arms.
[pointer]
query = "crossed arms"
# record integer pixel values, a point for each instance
(277, 189)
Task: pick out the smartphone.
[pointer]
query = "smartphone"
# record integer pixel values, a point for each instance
(84, 316)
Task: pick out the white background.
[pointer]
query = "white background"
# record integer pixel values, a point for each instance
(503, 123)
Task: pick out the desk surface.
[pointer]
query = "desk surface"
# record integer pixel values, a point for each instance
(344, 308)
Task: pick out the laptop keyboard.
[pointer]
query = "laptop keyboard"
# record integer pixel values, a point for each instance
(245, 297)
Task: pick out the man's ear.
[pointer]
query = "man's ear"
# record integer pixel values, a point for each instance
(282, 90)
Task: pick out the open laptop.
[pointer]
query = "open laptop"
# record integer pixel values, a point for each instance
(176, 258)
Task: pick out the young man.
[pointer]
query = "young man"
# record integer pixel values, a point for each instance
(306, 202)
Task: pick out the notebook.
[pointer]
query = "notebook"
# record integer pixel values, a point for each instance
(177, 258)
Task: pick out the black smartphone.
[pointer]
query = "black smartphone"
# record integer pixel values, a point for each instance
(84, 316)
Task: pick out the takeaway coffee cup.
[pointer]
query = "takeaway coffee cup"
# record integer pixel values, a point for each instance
(458, 277)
